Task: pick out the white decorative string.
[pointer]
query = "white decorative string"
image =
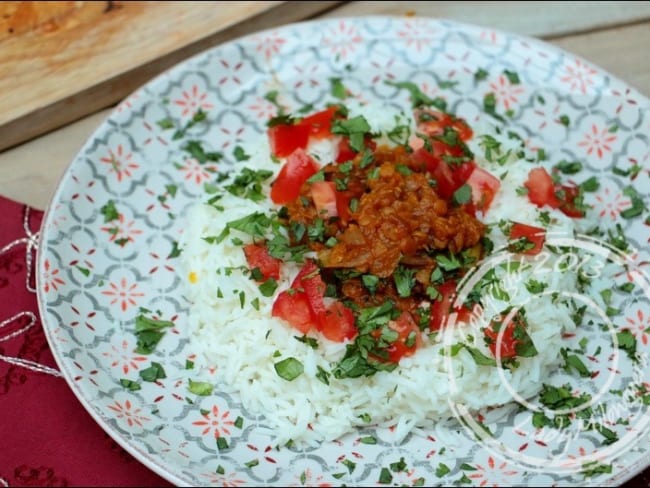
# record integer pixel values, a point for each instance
(25, 363)
(3, 482)
(31, 243)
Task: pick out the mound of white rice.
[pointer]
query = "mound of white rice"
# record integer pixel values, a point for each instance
(243, 343)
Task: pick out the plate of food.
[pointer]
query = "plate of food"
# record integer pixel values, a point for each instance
(362, 251)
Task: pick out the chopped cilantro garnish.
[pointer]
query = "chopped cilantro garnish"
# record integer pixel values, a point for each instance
(248, 184)
(418, 98)
(569, 167)
(305, 339)
(512, 76)
(195, 149)
(130, 384)
(240, 154)
(289, 369)
(355, 128)
(337, 89)
(490, 106)
(200, 388)
(109, 211)
(463, 194)
(153, 372)
(480, 75)
(268, 288)
(149, 332)
(404, 281)
(627, 342)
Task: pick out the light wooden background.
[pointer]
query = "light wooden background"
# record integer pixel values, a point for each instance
(613, 35)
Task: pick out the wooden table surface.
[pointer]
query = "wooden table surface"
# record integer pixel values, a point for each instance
(613, 35)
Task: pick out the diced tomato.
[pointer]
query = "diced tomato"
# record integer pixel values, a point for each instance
(303, 306)
(293, 306)
(508, 344)
(343, 206)
(320, 123)
(324, 195)
(346, 153)
(257, 256)
(449, 177)
(296, 170)
(484, 186)
(441, 307)
(286, 138)
(541, 189)
(445, 183)
(567, 195)
(536, 235)
(337, 323)
(406, 327)
(433, 123)
(463, 171)
(310, 282)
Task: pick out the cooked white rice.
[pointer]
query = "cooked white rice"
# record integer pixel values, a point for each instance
(243, 344)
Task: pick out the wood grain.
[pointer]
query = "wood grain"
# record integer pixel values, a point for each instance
(74, 58)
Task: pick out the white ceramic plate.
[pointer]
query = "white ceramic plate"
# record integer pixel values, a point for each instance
(110, 230)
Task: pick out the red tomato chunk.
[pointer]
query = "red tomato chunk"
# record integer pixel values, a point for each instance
(298, 168)
(534, 236)
(257, 256)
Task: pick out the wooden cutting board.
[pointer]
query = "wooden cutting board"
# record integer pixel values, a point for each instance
(60, 61)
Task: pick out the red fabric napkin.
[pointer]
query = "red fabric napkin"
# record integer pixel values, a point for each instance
(48, 438)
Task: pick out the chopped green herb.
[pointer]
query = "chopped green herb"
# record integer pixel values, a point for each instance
(337, 89)
(310, 341)
(442, 470)
(165, 124)
(404, 281)
(153, 372)
(463, 194)
(248, 184)
(637, 208)
(130, 384)
(149, 332)
(322, 375)
(512, 76)
(564, 120)
(534, 286)
(571, 361)
(569, 167)
(195, 149)
(355, 128)
(289, 369)
(175, 252)
(490, 106)
(627, 342)
(109, 211)
(480, 75)
(418, 98)
(385, 477)
(268, 288)
(368, 440)
(200, 388)
(240, 154)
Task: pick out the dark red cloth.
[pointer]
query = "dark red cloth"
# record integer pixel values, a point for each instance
(48, 438)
